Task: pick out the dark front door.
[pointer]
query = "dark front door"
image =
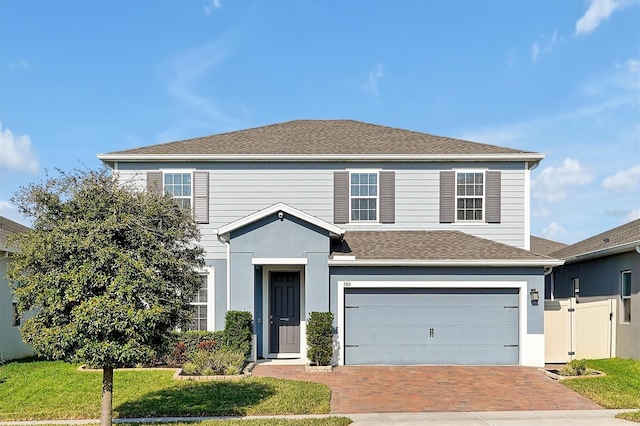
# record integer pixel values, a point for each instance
(284, 312)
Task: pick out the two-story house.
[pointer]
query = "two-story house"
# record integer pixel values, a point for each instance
(417, 243)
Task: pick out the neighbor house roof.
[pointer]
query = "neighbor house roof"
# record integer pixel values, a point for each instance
(622, 238)
(444, 248)
(301, 140)
(8, 227)
(543, 246)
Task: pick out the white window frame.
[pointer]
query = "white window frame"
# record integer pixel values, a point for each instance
(377, 197)
(209, 272)
(483, 197)
(180, 171)
(623, 298)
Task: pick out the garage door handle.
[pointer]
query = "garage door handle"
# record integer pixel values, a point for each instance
(351, 346)
(510, 346)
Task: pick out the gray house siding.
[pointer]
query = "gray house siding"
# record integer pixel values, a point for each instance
(11, 344)
(599, 280)
(239, 189)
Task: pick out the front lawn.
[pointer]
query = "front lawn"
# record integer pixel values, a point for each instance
(37, 390)
(620, 388)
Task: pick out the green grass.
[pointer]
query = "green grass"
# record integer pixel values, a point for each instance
(632, 416)
(620, 388)
(40, 390)
(328, 421)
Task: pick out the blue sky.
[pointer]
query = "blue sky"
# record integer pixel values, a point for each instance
(78, 78)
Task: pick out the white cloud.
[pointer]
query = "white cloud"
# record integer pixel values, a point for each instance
(16, 152)
(540, 46)
(552, 183)
(198, 111)
(371, 85)
(535, 51)
(598, 11)
(553, 230)
(633, 215)
(213, 5)
(18, 64)
(625, 180)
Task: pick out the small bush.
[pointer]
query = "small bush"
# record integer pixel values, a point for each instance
(218, 362)
(208, 345)
(577, 367)
(238, 328)
(320, 338)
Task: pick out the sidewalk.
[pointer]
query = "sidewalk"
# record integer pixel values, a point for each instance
(492, 418)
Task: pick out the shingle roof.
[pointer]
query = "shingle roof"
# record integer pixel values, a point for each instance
(629, 233)
(543, 246)
(321, 137)
(428, 245)
(8, 227)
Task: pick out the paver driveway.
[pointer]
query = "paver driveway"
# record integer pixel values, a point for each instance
(382, 389)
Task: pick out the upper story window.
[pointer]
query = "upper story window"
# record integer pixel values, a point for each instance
(469, 196)
(179, 185)
(364, 196)
(625, 294)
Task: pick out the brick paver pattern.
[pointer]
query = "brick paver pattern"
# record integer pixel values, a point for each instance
(386, 389)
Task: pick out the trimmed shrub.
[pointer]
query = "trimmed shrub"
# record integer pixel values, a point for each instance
(320, 338)
(238, 328)
(213, 363)
(577, 367)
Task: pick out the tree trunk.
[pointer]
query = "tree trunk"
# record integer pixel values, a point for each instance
(107, 396)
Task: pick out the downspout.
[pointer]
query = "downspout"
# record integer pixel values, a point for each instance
(228, 245)
(552, 284)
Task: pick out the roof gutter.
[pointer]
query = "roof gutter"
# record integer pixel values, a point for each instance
(504, 263)
(605, 252)
(532, 157)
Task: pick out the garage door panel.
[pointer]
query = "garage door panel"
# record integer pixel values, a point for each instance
(431, 326)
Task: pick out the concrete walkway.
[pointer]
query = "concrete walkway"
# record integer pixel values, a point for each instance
(485, 418)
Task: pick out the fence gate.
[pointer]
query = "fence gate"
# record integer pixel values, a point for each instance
(579, 330)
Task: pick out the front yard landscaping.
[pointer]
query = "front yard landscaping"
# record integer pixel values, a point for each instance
(38, 390)
(620, 388)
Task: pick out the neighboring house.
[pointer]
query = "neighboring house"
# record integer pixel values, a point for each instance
(605, 267)
(419, 244)
(545, 247)
(11, 344)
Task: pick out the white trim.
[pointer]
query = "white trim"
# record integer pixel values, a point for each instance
(457, 221)
(279, 260)
(340, 261)
(532, 157)
(604, 252)
(531, 347)
(285, 208)
(527, 207)
(377, 196)
(265, 310)
(183, 172)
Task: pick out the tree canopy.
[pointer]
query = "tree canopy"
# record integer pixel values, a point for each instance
(108, 268)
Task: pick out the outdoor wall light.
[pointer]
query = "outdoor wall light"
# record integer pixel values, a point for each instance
(535, 296)
(281, 215)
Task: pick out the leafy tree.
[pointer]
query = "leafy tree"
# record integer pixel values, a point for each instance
(109, 269)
